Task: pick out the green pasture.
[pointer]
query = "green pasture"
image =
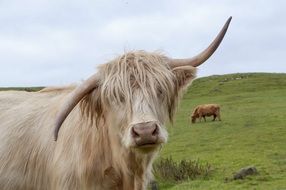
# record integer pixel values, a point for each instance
(252, 132)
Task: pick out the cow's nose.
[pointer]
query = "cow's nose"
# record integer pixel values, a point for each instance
(145, 133)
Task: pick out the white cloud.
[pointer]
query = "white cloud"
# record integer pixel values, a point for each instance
(54, 42)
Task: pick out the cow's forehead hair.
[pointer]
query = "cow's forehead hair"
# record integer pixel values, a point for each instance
(138, 70)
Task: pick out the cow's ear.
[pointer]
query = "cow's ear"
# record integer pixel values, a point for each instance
(184, 75)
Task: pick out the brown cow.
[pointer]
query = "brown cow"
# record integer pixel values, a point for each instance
(112, 125)
(206, 110)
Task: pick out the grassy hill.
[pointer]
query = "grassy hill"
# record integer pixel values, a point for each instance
(252, 132)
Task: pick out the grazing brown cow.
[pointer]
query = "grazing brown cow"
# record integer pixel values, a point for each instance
(206, 110)
(103, 134)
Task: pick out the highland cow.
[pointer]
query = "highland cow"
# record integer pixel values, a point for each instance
(102, 134)
(202, 111)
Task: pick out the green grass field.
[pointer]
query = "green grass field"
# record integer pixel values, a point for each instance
(252, 132)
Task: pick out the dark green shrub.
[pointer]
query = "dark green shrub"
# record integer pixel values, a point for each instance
(169, 170)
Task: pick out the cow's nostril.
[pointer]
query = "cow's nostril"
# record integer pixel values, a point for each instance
(134, 133)
(156, 131)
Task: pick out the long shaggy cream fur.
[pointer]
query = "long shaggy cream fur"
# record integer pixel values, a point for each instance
(89, 153)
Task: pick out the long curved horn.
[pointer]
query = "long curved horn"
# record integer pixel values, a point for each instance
(73, 100)
(204, 55)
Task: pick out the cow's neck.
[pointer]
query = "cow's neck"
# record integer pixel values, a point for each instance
(125, 168)
(140, 166)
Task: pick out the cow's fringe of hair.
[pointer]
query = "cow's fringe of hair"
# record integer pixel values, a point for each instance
(148, 72)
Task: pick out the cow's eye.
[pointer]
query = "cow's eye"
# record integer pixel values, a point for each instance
(122, 99)
(160, 92)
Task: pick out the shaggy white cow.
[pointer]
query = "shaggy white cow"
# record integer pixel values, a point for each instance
(102, 134)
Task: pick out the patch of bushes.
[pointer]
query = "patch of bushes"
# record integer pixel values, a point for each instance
(27, 89)
(169, 170)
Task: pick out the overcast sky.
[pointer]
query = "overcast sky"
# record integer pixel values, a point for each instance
(57, 42)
